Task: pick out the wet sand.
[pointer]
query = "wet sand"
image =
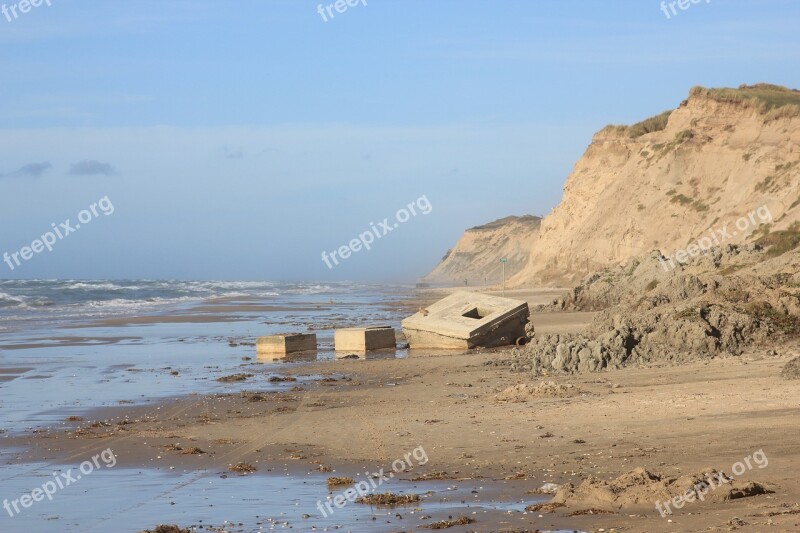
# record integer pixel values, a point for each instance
(157, 319)
(368, 413)
(49, 342)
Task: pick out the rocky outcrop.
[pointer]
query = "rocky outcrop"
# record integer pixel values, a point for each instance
(698, 310)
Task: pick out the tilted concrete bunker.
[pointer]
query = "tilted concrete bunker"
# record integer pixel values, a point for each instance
(467, 320)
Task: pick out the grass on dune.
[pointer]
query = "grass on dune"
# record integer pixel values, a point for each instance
(650, 125)
(773, 101)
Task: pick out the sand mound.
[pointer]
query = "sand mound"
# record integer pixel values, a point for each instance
(640, 487)
(546, 389)
(792, 369)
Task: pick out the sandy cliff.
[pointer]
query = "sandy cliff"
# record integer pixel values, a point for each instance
(477, 254)
(667, 182)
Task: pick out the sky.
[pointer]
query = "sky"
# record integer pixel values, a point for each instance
(241, 140)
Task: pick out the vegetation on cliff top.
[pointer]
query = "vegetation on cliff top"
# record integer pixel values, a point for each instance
(773, 101)
(656, 123)
(530, 220)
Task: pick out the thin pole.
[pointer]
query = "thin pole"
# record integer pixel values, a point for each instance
(504, 279)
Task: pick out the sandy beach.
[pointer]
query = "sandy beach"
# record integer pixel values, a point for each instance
(488, 457)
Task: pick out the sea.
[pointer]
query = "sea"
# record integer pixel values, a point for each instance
(31, 304)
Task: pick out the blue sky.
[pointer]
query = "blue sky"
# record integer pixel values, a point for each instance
(238, 140)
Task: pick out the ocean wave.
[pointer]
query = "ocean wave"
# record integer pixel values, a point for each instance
(46, 299)
(101, 287)
(311, 289)
(131, 303)
(48, 303)
(6, 300)
(216, 287)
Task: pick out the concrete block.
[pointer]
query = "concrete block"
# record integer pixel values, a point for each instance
(466, 320)
(280, 345)
(364, 339)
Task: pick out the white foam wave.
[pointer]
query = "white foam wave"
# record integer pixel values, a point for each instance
(100, 287)
(7, 299)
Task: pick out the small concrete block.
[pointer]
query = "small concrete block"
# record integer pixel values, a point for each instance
(364, 339)
(285, 344)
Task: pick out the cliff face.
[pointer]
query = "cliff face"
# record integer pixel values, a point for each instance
(476, 256)
(722, 157)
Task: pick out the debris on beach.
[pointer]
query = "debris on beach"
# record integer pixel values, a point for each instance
(321, 467)
(194, 450)
(233, 378)
(465, 320)
(543, 507)
(585, 512)
(281, 379)
(431, 476)
(242, 468)
(167, 529)
(254, 397)
(389, 498)
(547, 488)
(444, 524)
(339, 482)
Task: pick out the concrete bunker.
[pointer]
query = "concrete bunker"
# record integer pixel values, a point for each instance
(466, 320)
